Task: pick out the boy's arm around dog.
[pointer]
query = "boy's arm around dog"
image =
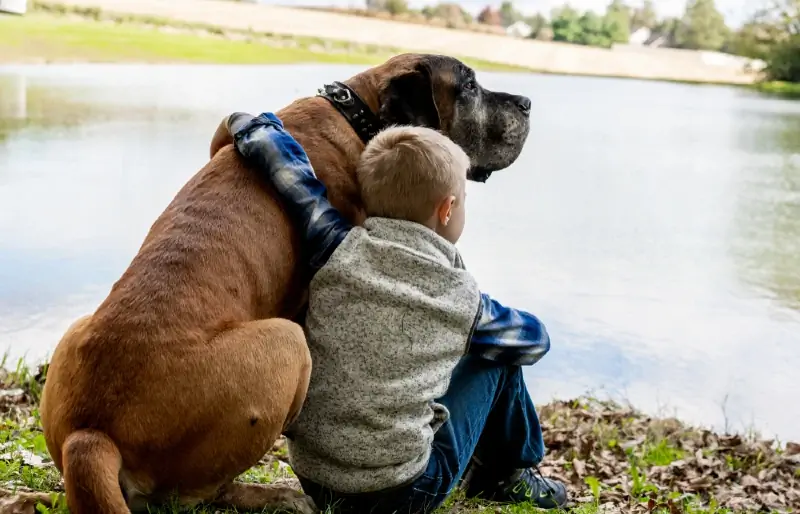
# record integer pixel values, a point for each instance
(264, 142)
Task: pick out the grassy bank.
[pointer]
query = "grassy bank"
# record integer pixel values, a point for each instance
(787, 89)
(53, 33)
(614, 458)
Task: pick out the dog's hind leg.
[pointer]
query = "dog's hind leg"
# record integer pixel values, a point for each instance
(235, 396)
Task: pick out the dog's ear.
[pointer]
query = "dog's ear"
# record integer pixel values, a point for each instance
(409, 99)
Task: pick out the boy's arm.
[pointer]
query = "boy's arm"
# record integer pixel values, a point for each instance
(508, 336)
(263, 141)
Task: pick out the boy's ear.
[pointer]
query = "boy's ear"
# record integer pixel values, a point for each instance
(445, 210)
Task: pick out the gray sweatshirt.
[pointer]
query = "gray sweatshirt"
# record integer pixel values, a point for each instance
(389, 317)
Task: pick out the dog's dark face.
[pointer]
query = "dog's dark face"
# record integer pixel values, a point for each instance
(442, 93)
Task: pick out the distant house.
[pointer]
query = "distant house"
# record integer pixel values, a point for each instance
(14, 6)
(640, 37)
(519, 29)
(646, 37)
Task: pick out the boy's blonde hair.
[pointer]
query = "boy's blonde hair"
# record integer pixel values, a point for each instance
(405, 171)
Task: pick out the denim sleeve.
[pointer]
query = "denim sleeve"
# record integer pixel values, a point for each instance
(508, 336)
(263, 141)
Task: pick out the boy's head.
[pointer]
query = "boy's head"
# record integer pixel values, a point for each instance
(416, 174)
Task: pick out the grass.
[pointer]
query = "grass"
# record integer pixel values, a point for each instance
(614, 459)
(53, 38)
(788, 89)
(661, 453)
(56, 33)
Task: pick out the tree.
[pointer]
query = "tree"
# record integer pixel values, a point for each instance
(754, 40)
(783, 61)
(593, 31)
(489, 16)
(666, 29)
(617, 22)
(508, 14)
(702, 27)
(538, 23)
(396, 6)
(566, 25)
(545, 34)
(390, 6)
(774, 36)
(450, 12)
(644, 16)
(782, 14)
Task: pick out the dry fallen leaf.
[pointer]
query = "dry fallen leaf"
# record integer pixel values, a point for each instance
(749, 481)
(21, 503)
(580, 467)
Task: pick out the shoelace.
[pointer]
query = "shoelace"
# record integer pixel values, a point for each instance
(546, 483)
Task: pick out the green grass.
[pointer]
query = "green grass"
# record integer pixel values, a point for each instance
(59, 34)
(625, 452)
(52, 38)
(789, 89)
(661, 454)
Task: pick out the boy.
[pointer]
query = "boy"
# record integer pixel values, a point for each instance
(415, 370)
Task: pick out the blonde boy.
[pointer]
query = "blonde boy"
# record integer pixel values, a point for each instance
(413, 365)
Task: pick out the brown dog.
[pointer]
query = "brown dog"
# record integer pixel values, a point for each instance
(186, 374)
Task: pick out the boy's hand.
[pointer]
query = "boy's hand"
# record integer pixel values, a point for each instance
(223, 136)
(240, 123)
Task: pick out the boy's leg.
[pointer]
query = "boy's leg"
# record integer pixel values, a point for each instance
(493, 418)
(489, 403)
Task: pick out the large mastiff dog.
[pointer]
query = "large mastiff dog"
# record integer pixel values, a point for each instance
(189, 370)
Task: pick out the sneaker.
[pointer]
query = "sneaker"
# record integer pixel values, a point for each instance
(525, 485)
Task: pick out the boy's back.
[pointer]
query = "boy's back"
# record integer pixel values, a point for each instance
(388, 319)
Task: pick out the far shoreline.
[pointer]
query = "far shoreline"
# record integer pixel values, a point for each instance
(61, 34)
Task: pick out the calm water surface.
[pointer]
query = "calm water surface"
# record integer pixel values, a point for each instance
(655, 228)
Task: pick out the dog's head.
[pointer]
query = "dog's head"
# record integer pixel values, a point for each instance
(442, 93)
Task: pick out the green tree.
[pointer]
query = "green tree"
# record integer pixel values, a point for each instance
(702, 27)
(594, 31)
(396, 6)
(539, 24)
(755, 40)
(783, 60)
(666, 29)
(782, 14)
(566, 25)
(508, 14)
(617, 22)
(783, 54)
(644, 16)
(390, 6)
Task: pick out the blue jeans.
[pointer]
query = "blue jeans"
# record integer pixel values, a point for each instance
(491, 416)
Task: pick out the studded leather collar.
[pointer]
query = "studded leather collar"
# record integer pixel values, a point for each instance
(353, 108)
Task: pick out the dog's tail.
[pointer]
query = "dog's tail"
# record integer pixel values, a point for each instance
(92, 463)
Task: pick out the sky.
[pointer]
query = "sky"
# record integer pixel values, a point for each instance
(735, 11)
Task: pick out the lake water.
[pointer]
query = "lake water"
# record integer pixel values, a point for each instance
(655, 228)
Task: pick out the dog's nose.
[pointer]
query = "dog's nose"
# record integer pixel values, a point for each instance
(524, 104)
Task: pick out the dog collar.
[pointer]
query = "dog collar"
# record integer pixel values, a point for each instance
(353, 108)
